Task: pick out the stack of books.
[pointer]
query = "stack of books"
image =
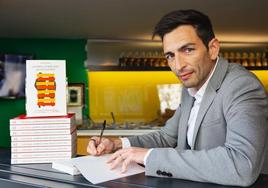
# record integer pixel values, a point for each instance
(42, 139)
(47, 132)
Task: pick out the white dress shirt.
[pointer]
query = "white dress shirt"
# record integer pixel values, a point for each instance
(198, 95)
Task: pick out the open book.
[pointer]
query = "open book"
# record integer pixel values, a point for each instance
(95, 169)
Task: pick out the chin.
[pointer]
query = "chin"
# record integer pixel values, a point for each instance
(188, 84)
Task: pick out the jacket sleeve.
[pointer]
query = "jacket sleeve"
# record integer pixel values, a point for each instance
(239, 160)
(165, 137)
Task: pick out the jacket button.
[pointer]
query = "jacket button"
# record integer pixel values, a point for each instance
(164, 173)
(169, 174)
(158, 172)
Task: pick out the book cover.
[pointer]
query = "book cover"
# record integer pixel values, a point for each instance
(46, 88)
(25, 120)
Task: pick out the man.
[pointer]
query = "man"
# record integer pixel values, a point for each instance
(218, 133)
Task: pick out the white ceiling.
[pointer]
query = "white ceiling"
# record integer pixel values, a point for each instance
(233, 20)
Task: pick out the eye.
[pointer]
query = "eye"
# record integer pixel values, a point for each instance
(188, 50)
(169, 56)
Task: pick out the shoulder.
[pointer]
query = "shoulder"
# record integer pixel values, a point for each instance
(240, 85)
(238, 77)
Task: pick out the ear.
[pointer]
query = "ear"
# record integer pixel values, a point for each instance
(214, 48)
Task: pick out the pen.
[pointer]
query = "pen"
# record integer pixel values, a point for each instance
(103, 127)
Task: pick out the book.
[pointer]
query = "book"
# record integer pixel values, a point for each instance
(42, 156)
(65, 166)
(46, 88)
(41, 143)
(38, 149)
(49, 144)
(51, 155)
(25, 120)
(36, 160)
(51, 126)
(43, 138)
(41, 132)
(95, 168)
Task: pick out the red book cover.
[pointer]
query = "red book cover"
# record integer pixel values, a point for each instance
(23, 119)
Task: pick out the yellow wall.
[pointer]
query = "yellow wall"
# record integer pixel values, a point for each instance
(263, 77)
(132, 95)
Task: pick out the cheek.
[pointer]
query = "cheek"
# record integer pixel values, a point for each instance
(203, 71)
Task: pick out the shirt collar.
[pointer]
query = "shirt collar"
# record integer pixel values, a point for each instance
(198, 95)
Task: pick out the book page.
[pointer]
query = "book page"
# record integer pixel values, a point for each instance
(96, 170)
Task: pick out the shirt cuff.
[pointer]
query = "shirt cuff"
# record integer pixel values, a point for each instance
(125, 143)
(146, 156)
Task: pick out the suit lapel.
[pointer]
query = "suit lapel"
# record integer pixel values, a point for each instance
(183, 124)
(210, 93)
(206, 102)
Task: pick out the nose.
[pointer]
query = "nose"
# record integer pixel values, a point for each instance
(179, 63)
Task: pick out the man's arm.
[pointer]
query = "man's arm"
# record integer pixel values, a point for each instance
(166, 137)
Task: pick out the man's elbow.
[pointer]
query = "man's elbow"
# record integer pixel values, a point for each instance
(247, 182)
(247, 178)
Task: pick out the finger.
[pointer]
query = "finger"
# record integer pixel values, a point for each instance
(91, 148)
(100, 148)
(114, 156)
(116, 162)
(125, 164)
(97, 139)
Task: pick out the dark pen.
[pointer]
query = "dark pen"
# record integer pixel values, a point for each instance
(103, 127)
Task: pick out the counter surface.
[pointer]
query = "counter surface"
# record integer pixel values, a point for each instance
(42, 175)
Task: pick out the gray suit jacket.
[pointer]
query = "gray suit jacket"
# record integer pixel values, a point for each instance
(229, 141)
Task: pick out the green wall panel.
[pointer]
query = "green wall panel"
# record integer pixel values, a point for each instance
(72, 50)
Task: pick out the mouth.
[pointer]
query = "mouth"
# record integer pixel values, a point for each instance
(185, 76)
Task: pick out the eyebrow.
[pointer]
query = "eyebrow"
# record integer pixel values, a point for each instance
(180, 48)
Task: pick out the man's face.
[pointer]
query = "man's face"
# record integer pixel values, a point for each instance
(188, 57)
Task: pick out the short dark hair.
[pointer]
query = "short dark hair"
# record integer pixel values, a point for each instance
(198, 20)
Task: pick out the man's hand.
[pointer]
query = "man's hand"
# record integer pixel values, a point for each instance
(126, 156)
(99, 147)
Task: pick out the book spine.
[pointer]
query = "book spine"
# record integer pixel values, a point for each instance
(40, 132)
(14, 127)
(43, 138)
(61, 154)
(37, 160)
